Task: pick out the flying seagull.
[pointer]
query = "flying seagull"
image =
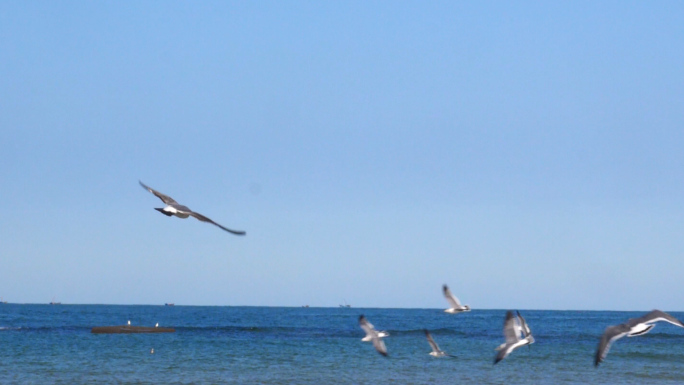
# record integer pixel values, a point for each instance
(174, 208)
(522, 329)
(512, 330)
(632, 328)
(436, 351)
(370, 330)
(455, 304)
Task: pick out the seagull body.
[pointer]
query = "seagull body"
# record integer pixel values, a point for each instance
(180, 211)
(512, 332)
(455, 304)
(380, 334)
(632, 328)
(436, 351)
(374, 335)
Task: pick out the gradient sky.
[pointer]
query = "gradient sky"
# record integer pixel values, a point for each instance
(530, 155)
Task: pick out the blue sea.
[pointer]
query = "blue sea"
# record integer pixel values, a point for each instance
(43, 344)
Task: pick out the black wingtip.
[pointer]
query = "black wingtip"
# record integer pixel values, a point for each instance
(241, 233)
(597, 359)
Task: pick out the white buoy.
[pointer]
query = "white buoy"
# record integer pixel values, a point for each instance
(157, 325)
(129, 322)
(152, 351)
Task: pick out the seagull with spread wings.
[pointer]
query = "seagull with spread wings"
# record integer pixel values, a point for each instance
(176, 209)
(632, 328)
(370, 330)
(455, 304)
(512, 333)
(436, 351)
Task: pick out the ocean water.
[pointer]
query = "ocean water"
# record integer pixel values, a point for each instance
(43, 344)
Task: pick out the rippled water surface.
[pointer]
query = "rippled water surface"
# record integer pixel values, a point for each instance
(45, 344)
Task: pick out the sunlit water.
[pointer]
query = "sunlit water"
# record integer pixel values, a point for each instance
(44, 344)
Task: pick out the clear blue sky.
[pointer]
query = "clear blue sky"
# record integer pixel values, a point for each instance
(530, 155)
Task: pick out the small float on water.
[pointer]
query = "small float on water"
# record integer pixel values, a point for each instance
(128, 329)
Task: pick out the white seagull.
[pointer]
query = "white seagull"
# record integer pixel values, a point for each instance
(374, 335)
(455, 304)
(522, 329)
(174, 208)
(436, 351)
(512, 332)
(632, 328)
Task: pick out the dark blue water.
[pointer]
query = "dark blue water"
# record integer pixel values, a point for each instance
(44, 344)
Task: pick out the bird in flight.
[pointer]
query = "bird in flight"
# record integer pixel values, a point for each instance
(375, 337)
(632, 328)
(516, 333)
(436, 351)
(176, 209)
(454, 303)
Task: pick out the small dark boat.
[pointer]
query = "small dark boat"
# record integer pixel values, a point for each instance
(170, 304)
(128, 329)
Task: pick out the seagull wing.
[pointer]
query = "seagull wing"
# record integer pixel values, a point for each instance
(655, 316)
(611, 334)
(366, 326)
(503, 353)
(432, 342)
(165, 198)
(205, 219)
(511, 329)
(523, 325)
(453, 301)
(379, 345)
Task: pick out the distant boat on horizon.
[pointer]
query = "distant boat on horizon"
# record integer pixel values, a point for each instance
(54, 303)
(345, 304)
(169, 304)
(2, 302)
